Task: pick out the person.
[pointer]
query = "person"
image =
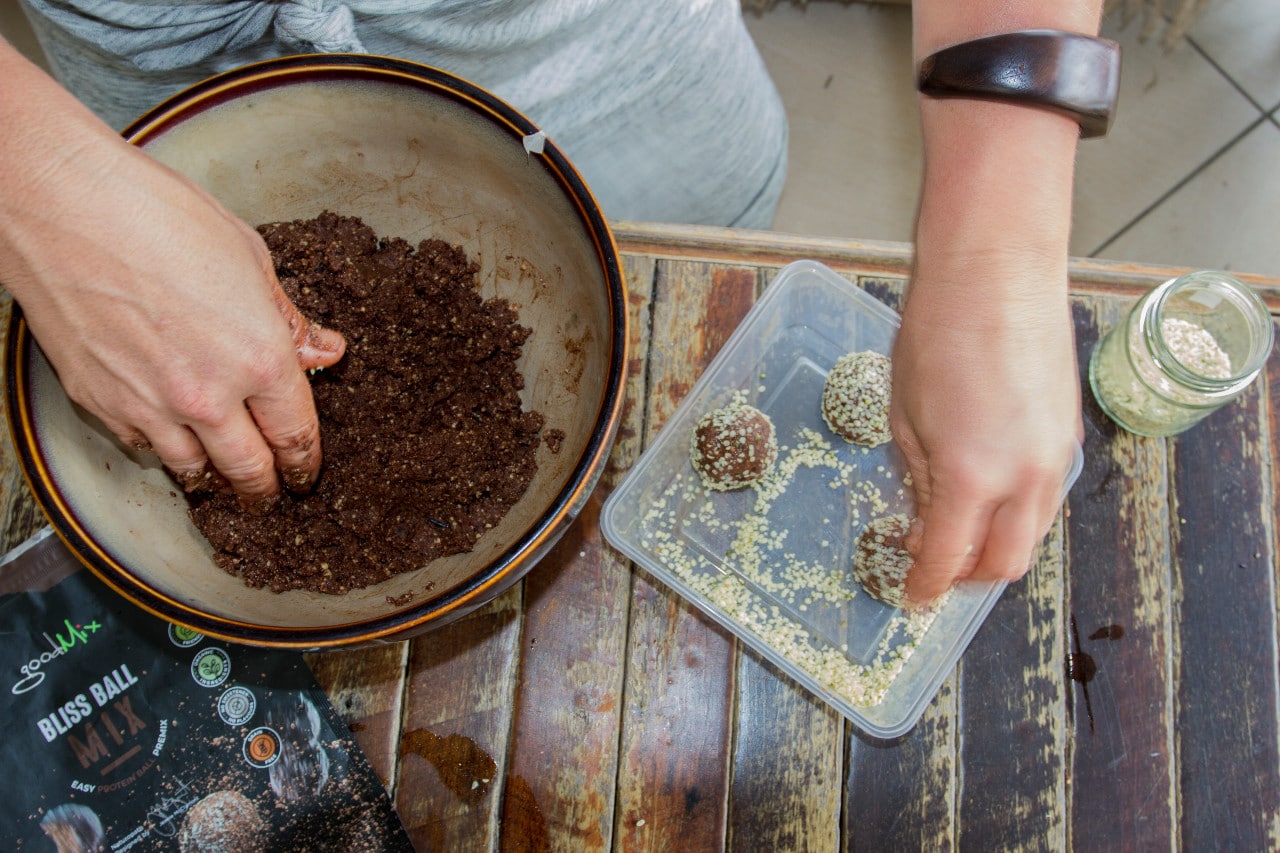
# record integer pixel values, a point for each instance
(161, 314)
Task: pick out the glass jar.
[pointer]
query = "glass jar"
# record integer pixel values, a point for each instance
(1188, 347)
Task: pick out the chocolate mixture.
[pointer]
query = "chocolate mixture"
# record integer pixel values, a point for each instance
(426, 445)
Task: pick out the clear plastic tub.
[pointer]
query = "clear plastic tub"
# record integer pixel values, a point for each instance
(773, 563)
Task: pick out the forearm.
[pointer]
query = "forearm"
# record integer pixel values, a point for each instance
(985, 389)
(997, 177)
(56, 156)
(41, 124)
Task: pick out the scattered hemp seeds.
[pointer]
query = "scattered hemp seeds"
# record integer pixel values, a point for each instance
(800, 607)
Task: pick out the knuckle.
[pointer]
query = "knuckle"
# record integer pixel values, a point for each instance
(296, 440)
(1043, 472)
(194, 403)
(254, 473)
(267, 366)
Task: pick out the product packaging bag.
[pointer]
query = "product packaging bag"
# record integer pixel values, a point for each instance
(125, 732)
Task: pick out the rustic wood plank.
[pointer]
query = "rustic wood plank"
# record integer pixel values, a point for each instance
(561, 780)
(1118, 598)
(1225, 618)
(561, 777)
(1012, 727)
(457, 726)
(367, 688)
(696, 307)
(901, 794)
(678, 701)
(788, 757)
(677, 714)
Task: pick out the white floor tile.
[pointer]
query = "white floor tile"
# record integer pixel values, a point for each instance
(1175, 112)
(845, 75)
(1226, 217)
(1243, 37)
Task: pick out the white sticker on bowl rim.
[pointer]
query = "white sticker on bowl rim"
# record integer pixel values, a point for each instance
(534, 143)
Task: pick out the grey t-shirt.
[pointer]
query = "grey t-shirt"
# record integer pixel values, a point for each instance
(664, 105)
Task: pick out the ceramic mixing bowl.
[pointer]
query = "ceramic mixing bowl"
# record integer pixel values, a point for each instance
(415, 153)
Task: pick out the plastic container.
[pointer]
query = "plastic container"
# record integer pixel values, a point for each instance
(773, 564)
(1188, 347)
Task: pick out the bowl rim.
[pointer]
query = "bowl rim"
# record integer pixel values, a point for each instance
(500, 573)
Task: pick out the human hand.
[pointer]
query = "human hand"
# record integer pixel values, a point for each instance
(162, 315)
(986, 410)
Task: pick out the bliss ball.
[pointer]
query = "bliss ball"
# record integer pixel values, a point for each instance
(881, 560)
(223, 822)
(733, 446)
(855, 398)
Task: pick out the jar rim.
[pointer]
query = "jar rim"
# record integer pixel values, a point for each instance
(1245, 299)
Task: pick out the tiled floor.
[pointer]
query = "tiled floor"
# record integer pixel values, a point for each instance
(1190, 174)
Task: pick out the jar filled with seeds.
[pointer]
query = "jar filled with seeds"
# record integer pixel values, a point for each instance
(1188, 347)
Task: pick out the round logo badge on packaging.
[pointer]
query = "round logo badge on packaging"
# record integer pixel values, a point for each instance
(211, 667)
(183, 637)
(261, 747)
(236, 705)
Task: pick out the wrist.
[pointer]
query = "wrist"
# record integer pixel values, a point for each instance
(997, 188)
(939, 23)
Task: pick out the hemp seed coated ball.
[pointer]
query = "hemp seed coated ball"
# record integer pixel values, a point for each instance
(855, 398)
(733, 447)
(881, 561)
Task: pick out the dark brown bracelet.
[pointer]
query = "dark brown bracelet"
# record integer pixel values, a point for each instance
(1068, 73)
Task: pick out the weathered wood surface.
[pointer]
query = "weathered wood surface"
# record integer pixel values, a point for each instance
(673, 780)
(1121, 697)
(1224, 632)
(1119, 581)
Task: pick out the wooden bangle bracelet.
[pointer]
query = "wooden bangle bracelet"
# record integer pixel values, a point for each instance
(1068, 73)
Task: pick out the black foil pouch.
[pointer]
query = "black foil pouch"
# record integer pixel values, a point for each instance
(125, 732)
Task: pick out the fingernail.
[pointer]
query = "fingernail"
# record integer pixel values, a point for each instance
(915, 535)
(918, 604)
(321, 347)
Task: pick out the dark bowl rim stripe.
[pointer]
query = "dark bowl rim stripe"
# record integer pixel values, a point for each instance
(508, 566)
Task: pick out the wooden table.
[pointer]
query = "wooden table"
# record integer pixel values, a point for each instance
(599, 711)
